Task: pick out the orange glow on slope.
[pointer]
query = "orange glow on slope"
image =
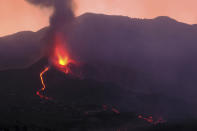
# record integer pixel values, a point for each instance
(43, 85)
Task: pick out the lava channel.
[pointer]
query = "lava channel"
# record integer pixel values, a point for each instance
(59, 59)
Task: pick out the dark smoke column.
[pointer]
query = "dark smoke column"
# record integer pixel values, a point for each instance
(60, 21)
(63, 14)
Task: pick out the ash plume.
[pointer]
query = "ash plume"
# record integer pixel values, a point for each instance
(63, 14)
(60, 21)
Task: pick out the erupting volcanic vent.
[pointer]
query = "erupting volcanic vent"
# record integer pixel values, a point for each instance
(61, 23)
(60, 59)
(62, 18)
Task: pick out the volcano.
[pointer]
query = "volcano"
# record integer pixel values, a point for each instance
(59, 59)
(134, 71)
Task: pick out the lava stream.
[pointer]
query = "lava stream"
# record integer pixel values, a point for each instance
(43, 85)
(151, 120)
(60, 59)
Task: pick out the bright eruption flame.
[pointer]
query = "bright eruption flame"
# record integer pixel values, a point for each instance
(63, 62)
(60, 59)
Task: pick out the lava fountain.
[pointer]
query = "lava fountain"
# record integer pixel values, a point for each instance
(60, 59)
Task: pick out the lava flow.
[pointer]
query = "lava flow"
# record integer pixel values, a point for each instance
(59, 59)
(151, 120)
(43, 85)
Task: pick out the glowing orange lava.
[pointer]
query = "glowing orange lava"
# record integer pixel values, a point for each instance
(151, 120)
(60, 59)
(43, 85)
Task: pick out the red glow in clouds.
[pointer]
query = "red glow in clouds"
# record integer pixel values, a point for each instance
(60, 59)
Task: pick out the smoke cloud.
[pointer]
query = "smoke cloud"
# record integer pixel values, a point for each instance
(60, 22)
(63, 14)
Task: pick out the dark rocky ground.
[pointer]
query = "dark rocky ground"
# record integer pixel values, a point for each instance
(76, 105)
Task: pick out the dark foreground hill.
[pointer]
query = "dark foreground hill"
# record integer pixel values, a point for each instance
(77, 104)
